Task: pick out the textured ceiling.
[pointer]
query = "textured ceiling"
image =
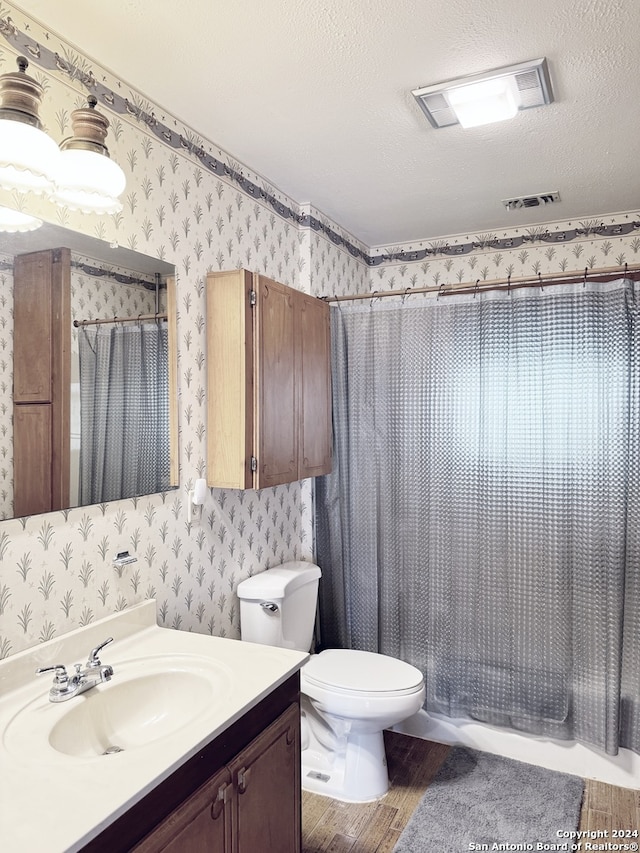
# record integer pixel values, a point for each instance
(316, 97)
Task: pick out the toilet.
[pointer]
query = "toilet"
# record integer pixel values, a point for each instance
(348, 697)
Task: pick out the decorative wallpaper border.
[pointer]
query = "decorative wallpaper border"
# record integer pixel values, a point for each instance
(89, 266)
(567, 233)
(139, 108)
(187, 141)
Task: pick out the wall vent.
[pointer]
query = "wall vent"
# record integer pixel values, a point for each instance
(538, 200)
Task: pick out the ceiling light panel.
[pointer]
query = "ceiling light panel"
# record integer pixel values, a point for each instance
(526, 84)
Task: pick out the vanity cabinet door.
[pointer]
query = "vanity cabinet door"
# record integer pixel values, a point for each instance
(266, 782)
(202, 824)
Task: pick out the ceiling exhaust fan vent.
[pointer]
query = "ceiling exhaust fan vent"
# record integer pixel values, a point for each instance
(538, 200)
(529, 83)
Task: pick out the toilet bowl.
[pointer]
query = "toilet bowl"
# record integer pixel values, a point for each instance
(348, 696)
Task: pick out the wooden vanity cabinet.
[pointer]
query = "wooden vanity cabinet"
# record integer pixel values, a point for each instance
(252, 804)
(202, 823)
(241, 793)
(269, 383)
(266, 787)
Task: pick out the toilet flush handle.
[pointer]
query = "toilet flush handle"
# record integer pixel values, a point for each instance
(269, 606)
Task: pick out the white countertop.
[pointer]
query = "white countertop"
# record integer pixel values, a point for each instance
(52, 802)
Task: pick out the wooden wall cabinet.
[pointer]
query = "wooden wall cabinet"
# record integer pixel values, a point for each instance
(269, 382)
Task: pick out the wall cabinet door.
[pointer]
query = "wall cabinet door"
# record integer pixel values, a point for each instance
(269, 382)
(276, 414)
(314, 384)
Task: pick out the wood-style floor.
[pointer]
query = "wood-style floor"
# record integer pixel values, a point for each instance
(330, 826)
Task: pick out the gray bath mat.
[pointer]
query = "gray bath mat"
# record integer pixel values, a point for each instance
(479, 799)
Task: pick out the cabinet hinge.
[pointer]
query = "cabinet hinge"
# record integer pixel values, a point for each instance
(254, 463)
(252, 297)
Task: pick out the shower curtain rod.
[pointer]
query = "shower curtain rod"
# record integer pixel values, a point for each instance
(447, 289)
(137, 319)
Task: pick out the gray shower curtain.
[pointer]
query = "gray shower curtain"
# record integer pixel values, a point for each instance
(482, 519)
(124, 411)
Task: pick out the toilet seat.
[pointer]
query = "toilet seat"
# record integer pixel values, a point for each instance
(359, 673)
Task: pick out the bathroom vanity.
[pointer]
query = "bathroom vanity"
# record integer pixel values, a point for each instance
(194, 743)
(251, 803)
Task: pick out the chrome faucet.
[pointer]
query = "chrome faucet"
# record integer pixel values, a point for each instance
(66, 687)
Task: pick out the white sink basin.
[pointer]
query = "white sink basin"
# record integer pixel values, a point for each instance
(130, 714)
(145, 701)
(171, 694)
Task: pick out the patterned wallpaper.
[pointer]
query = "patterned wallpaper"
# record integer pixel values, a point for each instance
(195, 206)
(56, 570)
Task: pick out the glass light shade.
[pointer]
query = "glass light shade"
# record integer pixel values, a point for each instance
(29, 158)
(13, 220)
(484, 102)
(89, 182)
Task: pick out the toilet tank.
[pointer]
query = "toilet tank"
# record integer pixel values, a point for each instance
(278, 606)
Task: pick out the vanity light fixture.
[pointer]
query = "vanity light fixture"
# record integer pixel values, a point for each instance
(485, 98)
(13, 220)
(29, 158)
(88, 180)
(79, 174)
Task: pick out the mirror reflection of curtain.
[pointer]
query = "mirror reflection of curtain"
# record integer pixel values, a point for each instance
(124, 402)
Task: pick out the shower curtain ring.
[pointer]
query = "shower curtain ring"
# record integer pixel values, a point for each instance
(584, 280)
(540, 282)
(476, 288)
(440, 290)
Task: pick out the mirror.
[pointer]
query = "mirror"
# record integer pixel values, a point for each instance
(122, 288)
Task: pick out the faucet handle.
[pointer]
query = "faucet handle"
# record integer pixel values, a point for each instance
(60, 678)
(93, 659)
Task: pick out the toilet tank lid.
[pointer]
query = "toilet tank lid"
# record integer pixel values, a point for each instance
(278, 581)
